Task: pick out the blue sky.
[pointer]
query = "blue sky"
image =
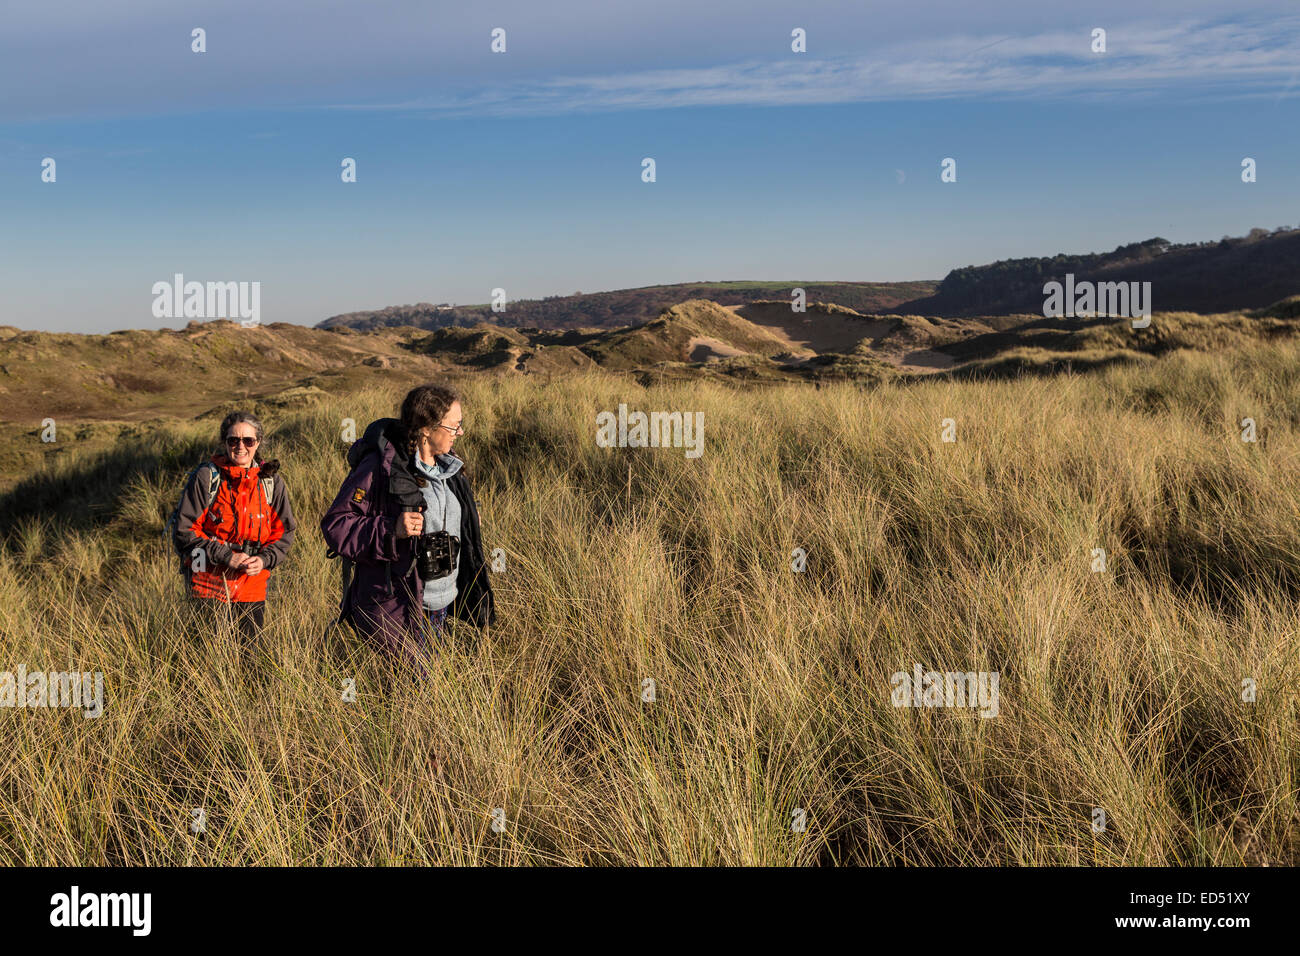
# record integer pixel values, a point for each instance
(522, 170)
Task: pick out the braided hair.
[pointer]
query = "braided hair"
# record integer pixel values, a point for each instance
(424, 406)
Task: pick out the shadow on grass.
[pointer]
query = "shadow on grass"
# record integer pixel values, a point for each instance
(88, 490)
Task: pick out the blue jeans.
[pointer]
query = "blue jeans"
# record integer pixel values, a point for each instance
(429, 629)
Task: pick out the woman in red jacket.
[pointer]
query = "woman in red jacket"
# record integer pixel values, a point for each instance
(244, 531)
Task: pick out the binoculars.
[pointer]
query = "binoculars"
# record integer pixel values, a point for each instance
(435, 553)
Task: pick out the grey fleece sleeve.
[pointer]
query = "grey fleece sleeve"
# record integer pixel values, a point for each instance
(275, 552)
(193, 505)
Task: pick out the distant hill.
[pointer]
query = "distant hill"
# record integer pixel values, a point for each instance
(132, 375)
(137, 375)
(104, 389)
(1231, 274)
(1249, 272)
(698, 337)
(624, 307)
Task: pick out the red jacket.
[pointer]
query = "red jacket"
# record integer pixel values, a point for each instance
(240, 515)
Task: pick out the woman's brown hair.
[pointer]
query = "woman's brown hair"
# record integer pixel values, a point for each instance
(425, 406)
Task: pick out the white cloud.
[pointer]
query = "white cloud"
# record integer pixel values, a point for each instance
(1203, 59)
(79, 58)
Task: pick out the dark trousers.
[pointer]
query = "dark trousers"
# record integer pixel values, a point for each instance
(248, 617)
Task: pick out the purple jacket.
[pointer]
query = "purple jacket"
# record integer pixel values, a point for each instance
(383, 601)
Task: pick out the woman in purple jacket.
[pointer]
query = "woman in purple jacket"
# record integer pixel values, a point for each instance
(405, 520)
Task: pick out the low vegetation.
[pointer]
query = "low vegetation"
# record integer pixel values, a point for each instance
(1120, 689)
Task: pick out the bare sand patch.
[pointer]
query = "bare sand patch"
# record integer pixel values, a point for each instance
(818, 331)
(705, 349)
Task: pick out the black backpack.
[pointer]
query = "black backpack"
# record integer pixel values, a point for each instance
(211, 482)
(378, 435)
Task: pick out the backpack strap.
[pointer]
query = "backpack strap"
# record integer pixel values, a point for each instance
(214, 482)
(345, 576)
(345, 580)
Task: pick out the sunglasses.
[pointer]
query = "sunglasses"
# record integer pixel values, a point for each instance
(234, 440)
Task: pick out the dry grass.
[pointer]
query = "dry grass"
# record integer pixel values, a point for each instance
(1119, 690)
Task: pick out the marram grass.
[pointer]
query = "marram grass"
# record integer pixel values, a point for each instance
(1119, 690)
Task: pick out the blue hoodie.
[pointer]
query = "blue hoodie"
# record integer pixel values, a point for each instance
(440, 592)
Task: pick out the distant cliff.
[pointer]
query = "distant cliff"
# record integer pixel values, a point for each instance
(623, 307)
(1243, 273)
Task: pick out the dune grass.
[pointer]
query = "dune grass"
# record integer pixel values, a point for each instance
(1119, 689)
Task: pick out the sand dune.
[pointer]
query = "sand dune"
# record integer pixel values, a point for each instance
(705, 349)
(831, 328)
(924, 359)
(818, 329)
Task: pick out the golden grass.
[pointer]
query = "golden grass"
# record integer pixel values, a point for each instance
(1119, 690)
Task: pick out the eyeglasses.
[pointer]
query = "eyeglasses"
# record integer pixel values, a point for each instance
(234, 440)
(457, 429)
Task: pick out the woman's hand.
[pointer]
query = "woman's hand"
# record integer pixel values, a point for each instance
(237, 560)
(253, 565)
(410, 524)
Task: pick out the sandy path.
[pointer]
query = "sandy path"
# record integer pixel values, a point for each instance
(516, 364)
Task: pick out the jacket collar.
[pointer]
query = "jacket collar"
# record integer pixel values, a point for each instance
(443, 466)
(232, 471)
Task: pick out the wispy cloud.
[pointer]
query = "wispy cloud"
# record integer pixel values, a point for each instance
(1196, 58)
